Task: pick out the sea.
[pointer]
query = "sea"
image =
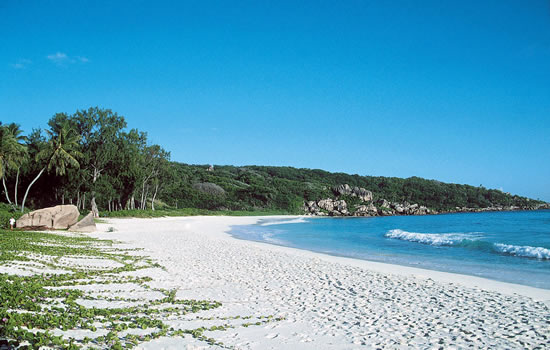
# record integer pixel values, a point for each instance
(504, 246)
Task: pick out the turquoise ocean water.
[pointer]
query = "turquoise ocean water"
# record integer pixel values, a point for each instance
(506, 246)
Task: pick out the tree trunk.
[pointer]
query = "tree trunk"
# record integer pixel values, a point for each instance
(63, 198)
(95, 212)
(94, 206)
(29, 187)
(144, 203)
(154, 196)
(16, 185)
(143, 199)
(6, 189)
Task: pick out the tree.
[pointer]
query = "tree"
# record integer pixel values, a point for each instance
(99, 130)
(153, 164)
(59, 153)
(125, 169)
(13, 153)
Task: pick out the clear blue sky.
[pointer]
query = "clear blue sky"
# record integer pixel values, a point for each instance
(455, 91)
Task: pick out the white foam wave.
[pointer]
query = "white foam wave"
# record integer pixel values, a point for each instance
(292, 221)
(524, 251)
(436, 239)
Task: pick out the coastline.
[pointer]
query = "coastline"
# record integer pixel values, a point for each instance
(469, 281)
(328, 301)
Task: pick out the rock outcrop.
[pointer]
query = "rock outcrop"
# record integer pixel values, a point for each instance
(87, 224)
(58, 217)
(338, 206)
(394, 208)
(359, 192)
(382, 207)
(366, 210)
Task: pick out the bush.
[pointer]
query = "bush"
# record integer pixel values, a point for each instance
(6, 213)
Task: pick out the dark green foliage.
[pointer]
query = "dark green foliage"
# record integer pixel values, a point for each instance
(209, 188)
(286, 188)
(7, 212)
(118, 170)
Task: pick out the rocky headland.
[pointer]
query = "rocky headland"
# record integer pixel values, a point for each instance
(361, 202)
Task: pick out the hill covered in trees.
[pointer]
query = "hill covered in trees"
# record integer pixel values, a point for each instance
(91, 159)
(265, 187)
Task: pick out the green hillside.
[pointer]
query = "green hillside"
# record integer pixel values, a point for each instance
(266, 187)
(93, 160)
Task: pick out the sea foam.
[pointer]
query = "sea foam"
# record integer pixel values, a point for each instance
(280, 222)
(470, 240)
(524, 251)
(436, 239)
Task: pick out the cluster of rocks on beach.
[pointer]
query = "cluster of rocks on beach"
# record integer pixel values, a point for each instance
(60, 217)
(383, 207)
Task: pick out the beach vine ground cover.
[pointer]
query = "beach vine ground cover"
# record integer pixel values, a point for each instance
(42, 296)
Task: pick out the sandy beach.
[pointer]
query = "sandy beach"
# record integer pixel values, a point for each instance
(325, 302)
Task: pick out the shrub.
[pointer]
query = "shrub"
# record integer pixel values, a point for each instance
(6, 213)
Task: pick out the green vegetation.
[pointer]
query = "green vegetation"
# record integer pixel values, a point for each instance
(92, 160)
(186, 212)
(38, 309)
(286, 188)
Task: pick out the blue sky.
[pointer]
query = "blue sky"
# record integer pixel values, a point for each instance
(454, 91)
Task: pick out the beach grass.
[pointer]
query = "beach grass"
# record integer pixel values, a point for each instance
(46, 279)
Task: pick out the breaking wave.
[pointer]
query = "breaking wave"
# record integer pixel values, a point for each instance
(470, 240)
(437, 239)
(524, 251)
(280, 222)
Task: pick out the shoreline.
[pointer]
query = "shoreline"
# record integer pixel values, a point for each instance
(470, 281)
(327, 301)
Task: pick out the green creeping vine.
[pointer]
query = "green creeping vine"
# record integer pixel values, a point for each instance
(38, 308)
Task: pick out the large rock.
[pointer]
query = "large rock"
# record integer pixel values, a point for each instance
(326, 204)
(341, 206)
(359, 192)
(366, 210)
(87, 224)
(58, 217)
(363, 194)
(327, 207)
(342, 190)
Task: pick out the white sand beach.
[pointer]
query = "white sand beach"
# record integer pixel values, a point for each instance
(327, 302)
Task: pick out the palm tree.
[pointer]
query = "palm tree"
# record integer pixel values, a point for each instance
(60, 152)
(13, 153)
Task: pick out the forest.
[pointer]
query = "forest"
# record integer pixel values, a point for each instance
(92, 159)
